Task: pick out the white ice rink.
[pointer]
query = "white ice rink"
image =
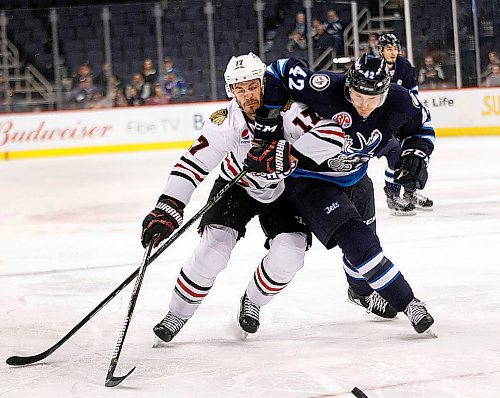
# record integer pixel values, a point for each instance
(69, 234)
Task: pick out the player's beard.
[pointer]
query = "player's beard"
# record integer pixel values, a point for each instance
(250, 107)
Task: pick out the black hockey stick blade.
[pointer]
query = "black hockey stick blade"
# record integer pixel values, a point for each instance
(20, 361)
(113, 381)
(358, 393)
(28, 360)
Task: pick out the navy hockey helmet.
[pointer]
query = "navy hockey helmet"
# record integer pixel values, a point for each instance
(369, 75)
(388, 39)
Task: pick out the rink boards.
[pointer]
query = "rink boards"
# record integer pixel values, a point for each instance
(466, 112)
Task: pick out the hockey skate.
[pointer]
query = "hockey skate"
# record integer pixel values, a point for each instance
(420, 319)
(374, 303)
(168, 328)
(399, 206)
(248, 317)
(419, 201)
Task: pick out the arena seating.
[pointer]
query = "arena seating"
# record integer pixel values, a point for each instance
(185, 34)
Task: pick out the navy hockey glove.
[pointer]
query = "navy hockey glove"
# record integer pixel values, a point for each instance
(411, 169)
(162, 221)
(268, 124)
(268, 157)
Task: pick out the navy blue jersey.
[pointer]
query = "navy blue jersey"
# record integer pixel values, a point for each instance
(403, 74)
(402, 115)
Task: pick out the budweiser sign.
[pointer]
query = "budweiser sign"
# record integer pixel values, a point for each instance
(44, 132)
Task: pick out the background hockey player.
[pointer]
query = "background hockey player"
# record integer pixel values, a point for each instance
(227, 136)
(335, 198)
(402, 73)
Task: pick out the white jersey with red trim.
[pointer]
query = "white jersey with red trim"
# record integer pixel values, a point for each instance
(227, 136)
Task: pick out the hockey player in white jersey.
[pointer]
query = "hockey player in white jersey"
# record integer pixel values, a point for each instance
(227, 136)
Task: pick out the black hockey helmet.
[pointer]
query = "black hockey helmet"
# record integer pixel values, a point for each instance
(388, 39)
(369, 75)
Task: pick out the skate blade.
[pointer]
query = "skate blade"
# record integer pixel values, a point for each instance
(431, 333)
(426, 209)
(403, 213)
(243, 335)
(157, 342)
(379, 318)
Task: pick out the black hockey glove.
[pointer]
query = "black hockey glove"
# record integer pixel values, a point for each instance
(268, 124)
(411, 169)
(268, 157)
(162, 221)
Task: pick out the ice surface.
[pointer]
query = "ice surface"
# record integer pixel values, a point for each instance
(69, 234)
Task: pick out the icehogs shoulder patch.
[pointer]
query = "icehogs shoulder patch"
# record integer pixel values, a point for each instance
(218, 117)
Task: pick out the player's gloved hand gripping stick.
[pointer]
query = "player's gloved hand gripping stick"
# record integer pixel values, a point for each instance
(270, 152)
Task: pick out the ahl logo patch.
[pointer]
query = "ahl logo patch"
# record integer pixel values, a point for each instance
(319, 82)
(343, 119)
(218, 117)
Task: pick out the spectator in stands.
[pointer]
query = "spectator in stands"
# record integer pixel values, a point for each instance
(101, 81)
(315, 24)
(141, 89)
(431, 75)
(493, 79)
(372, 45)
(148, 71)
(133, 96)
(173, 86)
(320, 41)
(296, 40)
(297, 37)
(82, 76)
(119, 98)
(492, 61)
(149, 74)
(168, 66)
(81, 96)
(269, 43)
(158, 97)
(99, 100)
(300, 24)
(334, 31)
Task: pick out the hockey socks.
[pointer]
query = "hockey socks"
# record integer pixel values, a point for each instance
(278, 267)
(364, 258)
(263, 288)
(382, 276)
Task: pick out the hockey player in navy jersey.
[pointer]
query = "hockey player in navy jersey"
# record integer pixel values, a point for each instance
(335, 197)
(227, 136)
(402, 73)
(400, 68)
